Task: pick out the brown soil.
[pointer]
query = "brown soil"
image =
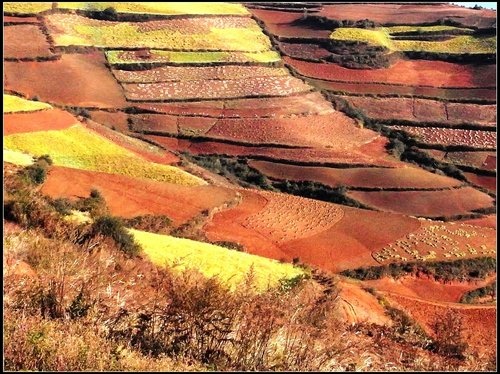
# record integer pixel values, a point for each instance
(25, 41)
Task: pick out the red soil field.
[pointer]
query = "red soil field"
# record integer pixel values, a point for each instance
(43, 120)
(335, 130)
(425, 203)
(452, 137)
(189, 73)
(118, 120)
(75, 79)
(424, 110)
(478, 159)
(172, 124)
(410, 14)
(303, 51)
(404, 72)
(486, 181)
(129, 197)
(300, 104)
(214, 89)
(25, 41)
(427, 288)
(11, 20)
(404, 177)
(478, 322)
(389, 89)
(373, 153)
(139, 147)
(486, 221)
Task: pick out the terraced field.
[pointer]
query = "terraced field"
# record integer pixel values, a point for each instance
(213, 261)
(16, 104)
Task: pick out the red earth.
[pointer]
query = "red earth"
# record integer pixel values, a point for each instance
(11, 20)
(477, 159)
(25, 41)
(43, 120)
(130, 197)
(486, 221)
(75, 79)
(425, 203)
(404, 72)
(485, 181)
(403, 177)
(118, 120)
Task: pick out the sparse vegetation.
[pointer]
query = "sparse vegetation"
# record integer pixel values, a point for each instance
(487, 291)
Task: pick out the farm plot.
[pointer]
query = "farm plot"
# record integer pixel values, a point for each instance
(51, 119)
(486, 221)
(17, 158)
(452, 137)
(404, 72)
(171, 124)
(207, 33)
(173, 8)
(403, 177)
(129, 197)
(288, 217)
(381, 37)
(301, 104)
(438, 241)
(148, 151)
(75, 79)
(25, 8)
(180, 73)
(113, 120)
(303, 51)
(334, 130)
(10, 20)
(214, 89)
(425, 203)
(410, 14)
(156, 56)
(485, 181)
(81, 148)
(480, 160)
(424, 110)
(373, 153)
(231, 267)
(479, 322)
(25, 41)
(16, 104)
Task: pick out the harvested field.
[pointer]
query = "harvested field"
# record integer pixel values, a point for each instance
(215, 89)
(410, 14)
(452, 137)
(440, 241)
(486, 221)
(176, 8)
(207, 33)
(231, 267)
(75, 79)
(181, 73)
(373, 153)
(485, 181)
(129, 197)
(460, 94)
(51, 119)
(480, 160)
(25, 41)
(478, 322)
(81, 148)
(155, 56)
(403, 177)
(303, 51)
(335, 130)
(25, 7)
(424, 110)
(139, 147)
(404, 72)
(425, 203)
(16, 104)
(426, 288)
(304, 104)
(171, 124)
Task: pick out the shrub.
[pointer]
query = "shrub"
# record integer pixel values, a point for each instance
(113, 227)
(449, 341)
(159, 224)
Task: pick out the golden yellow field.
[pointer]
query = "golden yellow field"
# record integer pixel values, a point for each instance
(17, 158)
(230, 266)
(26, 8)
(168, 8)
(81, 148)
(13, 104)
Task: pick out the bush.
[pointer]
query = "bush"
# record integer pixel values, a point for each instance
(159, 224)
(113, 227)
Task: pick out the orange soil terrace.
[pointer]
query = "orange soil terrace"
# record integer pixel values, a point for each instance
(425, 203)
(75, 79)
(403, 177)
(485, 181)
(51, 119)
(25, 41)
(480, 160)
(129, 197)
(486, 221)
(479, 322)
(404, 72)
